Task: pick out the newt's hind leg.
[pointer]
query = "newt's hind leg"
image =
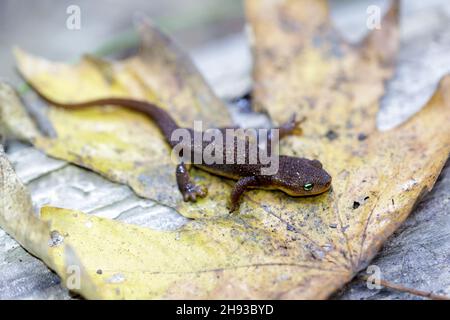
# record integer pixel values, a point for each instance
(291, 127)
(188, 189)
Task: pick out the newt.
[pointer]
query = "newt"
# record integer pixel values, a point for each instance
(295, 176)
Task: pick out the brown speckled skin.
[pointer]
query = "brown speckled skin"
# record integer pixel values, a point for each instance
(293, 173)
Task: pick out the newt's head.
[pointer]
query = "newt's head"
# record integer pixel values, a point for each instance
(300, 177)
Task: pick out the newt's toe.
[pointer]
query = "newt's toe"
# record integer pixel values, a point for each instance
(295, 125)
(192, 192)
(233, 207)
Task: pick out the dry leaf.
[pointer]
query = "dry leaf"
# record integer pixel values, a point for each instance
(277, 246)
(17, 218)
(207, 259)
(15, 122)
(16, 212)
(306, 67)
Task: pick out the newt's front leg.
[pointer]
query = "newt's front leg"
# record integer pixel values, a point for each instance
(188, 189)
(242, 185)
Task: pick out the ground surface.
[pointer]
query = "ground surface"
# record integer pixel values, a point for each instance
(418, 255)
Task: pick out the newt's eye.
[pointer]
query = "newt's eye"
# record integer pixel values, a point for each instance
(308, 186)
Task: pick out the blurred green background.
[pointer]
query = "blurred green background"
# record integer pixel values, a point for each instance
(106, 26)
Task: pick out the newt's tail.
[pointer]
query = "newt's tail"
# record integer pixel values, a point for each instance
(162, 119)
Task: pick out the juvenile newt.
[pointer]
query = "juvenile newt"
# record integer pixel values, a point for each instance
(295, 176)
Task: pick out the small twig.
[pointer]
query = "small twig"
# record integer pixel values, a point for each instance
(412, 291)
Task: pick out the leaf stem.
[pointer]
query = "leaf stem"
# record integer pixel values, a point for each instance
(412, 291)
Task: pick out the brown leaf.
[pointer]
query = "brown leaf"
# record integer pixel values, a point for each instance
(305, 66)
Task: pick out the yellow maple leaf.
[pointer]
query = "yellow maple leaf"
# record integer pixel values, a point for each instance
(276, 246)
